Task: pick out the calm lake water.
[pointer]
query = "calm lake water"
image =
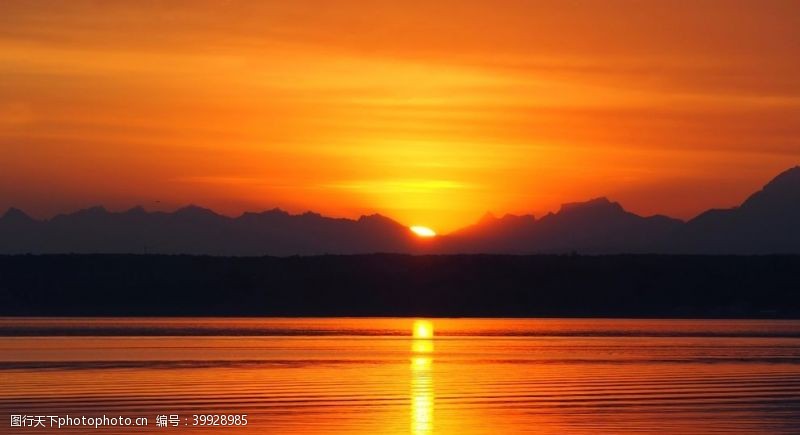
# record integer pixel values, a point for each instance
(368, 376)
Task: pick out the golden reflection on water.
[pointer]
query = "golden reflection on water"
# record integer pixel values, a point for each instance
(367, 376)
(422, 392)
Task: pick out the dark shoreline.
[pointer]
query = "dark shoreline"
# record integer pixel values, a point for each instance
(397, 285)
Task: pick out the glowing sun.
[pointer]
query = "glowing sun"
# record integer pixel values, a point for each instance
(422, 231)
(423, 329)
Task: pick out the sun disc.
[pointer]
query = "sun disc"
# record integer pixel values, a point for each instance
(423, 231)
(423, 329)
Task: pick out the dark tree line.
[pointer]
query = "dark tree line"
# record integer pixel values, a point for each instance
(402, 285)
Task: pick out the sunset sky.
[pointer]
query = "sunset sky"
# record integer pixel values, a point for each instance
(431, 112)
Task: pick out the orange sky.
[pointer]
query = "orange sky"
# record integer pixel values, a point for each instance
(429, 112)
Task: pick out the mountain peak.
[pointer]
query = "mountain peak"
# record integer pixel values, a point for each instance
(377, 219)
(136, 211)
(15, 215)
(266, 214)
(601, 203)
(192, 209)
(311, 215)
(527, 218)
(789, 178)
(783, 191)
(194, 214)
(372, 217)
(92, 211)
(277, 211)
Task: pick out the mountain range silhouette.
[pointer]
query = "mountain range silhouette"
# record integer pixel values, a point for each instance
(766, 223)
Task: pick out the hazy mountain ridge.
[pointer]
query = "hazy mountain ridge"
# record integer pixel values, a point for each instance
(196, 230)
(767, 222)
